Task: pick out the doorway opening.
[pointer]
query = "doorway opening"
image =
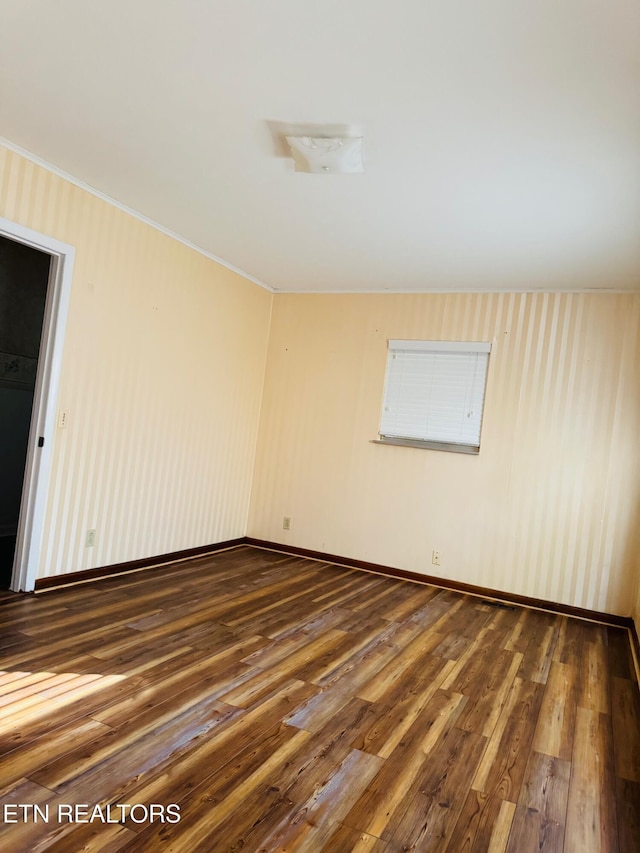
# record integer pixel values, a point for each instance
(24, 278)
(35, 284)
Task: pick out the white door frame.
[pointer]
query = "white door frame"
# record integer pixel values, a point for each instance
(35, 488)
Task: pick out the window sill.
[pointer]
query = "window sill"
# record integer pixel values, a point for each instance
(469, 449)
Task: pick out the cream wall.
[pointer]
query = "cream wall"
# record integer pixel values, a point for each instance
(550, 506)
(163, 375)
(162, 378)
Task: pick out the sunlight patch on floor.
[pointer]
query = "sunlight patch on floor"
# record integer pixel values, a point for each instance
(27, 696)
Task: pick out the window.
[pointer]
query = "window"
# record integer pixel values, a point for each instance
(434, 394)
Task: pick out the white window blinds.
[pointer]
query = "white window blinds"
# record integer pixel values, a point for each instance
(434, 392)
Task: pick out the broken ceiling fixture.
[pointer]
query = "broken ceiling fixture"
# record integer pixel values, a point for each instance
(332, 154)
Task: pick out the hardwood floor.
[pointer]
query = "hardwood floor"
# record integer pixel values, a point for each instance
(287, 704)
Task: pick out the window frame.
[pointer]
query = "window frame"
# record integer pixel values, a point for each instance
(429, 347)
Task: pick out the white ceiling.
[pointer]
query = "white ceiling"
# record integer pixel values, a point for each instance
(502, 137)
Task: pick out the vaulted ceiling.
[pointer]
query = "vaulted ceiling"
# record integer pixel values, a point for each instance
(502, 137)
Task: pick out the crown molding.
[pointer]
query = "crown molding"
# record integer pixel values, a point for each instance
(60, 173)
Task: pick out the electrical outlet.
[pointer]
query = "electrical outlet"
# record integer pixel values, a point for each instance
(435, 558)
(90, 541)
(63, 419)
(286, 523)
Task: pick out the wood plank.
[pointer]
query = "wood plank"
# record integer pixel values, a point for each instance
(241, 612)
(475, 659)
(198, 826)
(414, 655)
(519, 635)
(540, 817)
(305, 624)
(625, 702)
(24, 834)
(155, 737)
(340, 659)
(488, 693)
(218, 764)
(501, 828)
(572, 634)
(376, 807)
(556, 723)
(37, 655)
(452, 646)
(142, 746)
(180, 689)
(88, 838)
(537, 658)
(25, 731)
(400, 706)
(61, 692)
(315, 713)
(50, 747)
(339, 838)
(504, 618)
(593, 678)
(414, 599)
(330, 793)
(619, 653)
(484, 824)
(628, 812)
(503, 765)
(591, 812)
(427, 817)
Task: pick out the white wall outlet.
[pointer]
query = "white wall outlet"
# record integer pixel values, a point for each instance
(435, 558)
(63, 419)
(90, 541)
(286, 523)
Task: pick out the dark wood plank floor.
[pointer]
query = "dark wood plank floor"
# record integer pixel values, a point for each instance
(287, 704)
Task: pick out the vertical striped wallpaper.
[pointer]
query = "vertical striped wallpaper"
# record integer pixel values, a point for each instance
(162, 379)
(551, 506)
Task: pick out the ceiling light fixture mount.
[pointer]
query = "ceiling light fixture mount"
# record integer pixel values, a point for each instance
(327, 154)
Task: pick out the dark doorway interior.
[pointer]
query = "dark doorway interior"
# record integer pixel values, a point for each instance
(24, 275)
